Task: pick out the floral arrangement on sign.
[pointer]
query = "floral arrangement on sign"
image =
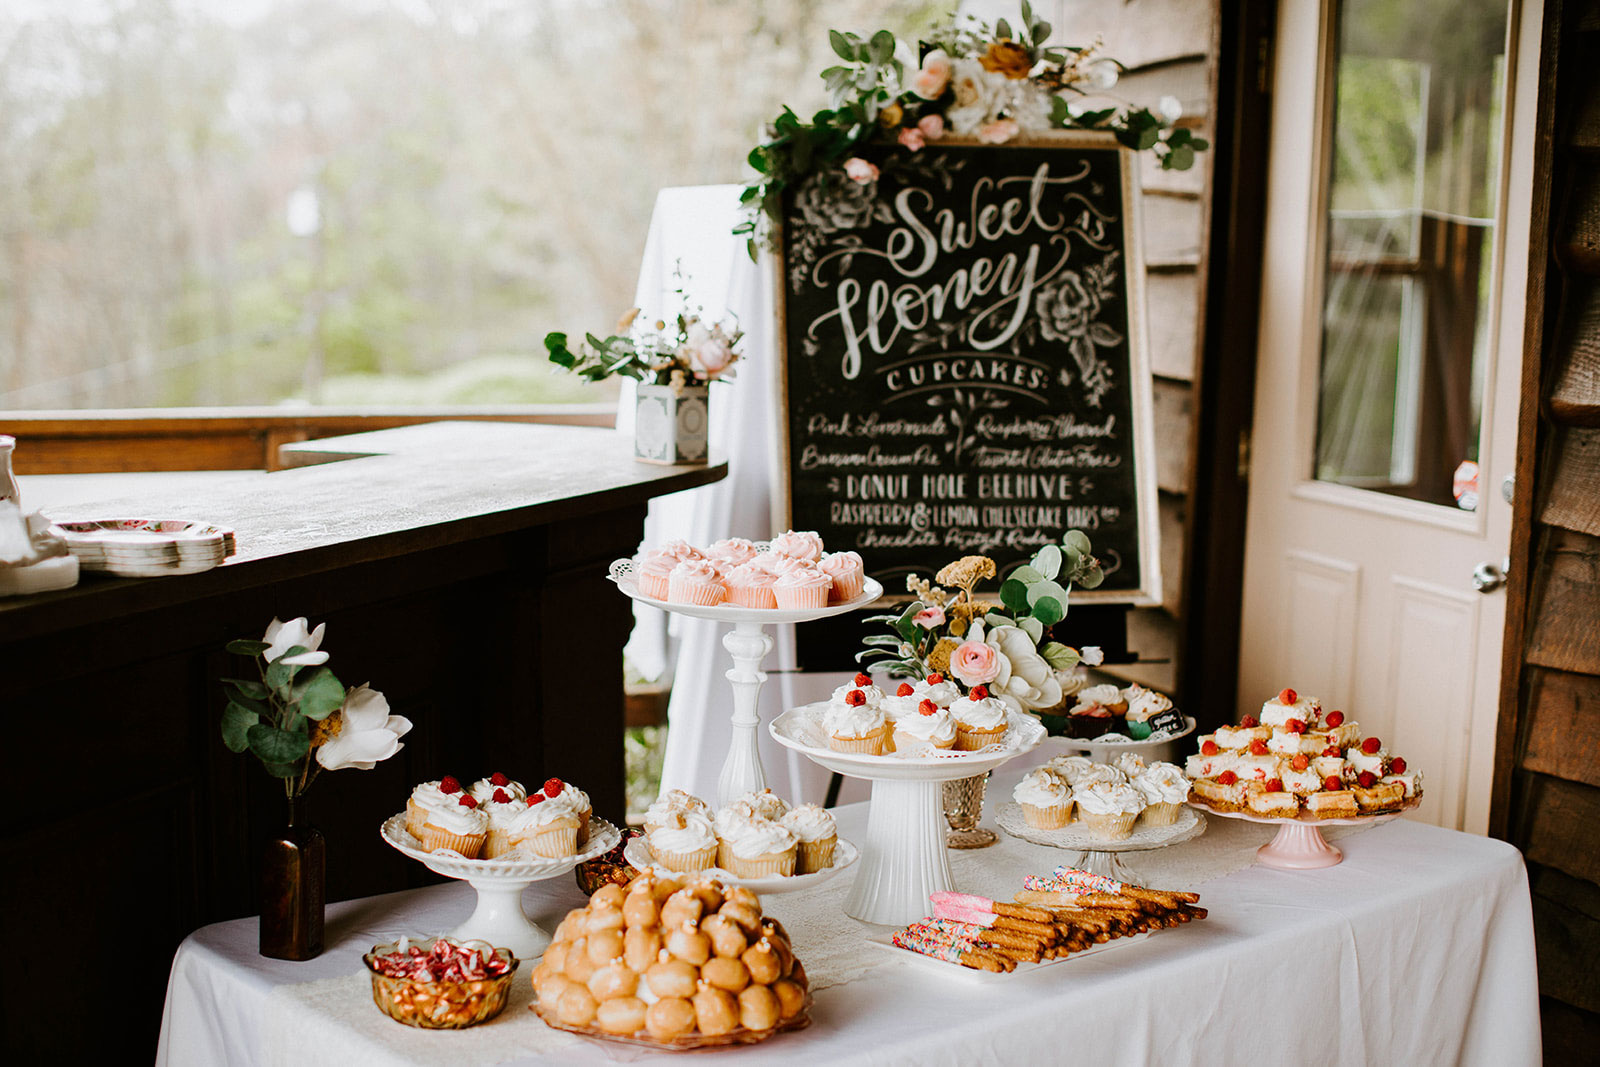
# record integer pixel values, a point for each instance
(991, 82)
(688, 352)
(1006, 646)
(298, 718)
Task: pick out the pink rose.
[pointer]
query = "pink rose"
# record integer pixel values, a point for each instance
(707, 351)
(911, 137)
(998, 132)
(932, 126)
(860, 171)
(975, 663)
(931, 80)
(928, 618)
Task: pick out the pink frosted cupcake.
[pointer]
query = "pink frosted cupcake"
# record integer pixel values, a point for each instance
(732, 551)
(696, 581)
(776, 565)
(680, 550)
(847, 573)
(798, 544)
(653, 570)
(803, 587)
(750, 586)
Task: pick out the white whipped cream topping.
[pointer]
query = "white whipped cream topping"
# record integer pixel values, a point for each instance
(810, 822)
(483, 790)
(429, 796)
(1042, 788)
(1098, 696)
(896, 707)
(731, 817)
(1163, 783)
(943, 693)
(750, 838)
(459, 819)
(1072, 768)
(673, 800)
(1306, 709)
(765, 803)
(578, 798)
(543, 814)
(501, 816)
(984, 714)
(691, 833)
(873, 694)
(1144, 703)
(1130, 764)
(1101, 774)
(938, 728)
(847, 720)
(1108, 798)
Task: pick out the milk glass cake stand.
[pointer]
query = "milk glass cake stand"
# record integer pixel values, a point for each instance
(1299, 845)
(1095, 855)
(904, 857)
(499, 918)
(748, 643)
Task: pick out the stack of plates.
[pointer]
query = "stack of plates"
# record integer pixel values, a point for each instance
(146, 548)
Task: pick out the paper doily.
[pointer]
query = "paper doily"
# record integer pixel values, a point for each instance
(1190, 824)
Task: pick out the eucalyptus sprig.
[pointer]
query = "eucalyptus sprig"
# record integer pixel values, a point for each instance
(276, 715)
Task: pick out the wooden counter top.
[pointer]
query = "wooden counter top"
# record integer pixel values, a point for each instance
(365, 497)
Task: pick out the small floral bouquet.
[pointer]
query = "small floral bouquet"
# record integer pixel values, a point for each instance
(688, 352)
(1006, 646)
(298, 718)
(990, 82)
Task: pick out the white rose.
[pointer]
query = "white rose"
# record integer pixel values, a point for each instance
(369, 735)
(978, 96)
(282, 636)
(1025, 681)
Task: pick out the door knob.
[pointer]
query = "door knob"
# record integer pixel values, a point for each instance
(1486, 577)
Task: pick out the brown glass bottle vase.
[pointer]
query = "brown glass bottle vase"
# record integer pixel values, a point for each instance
(293, 880)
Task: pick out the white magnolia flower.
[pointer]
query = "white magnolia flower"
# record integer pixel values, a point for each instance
(1025, 681)
(369, 734)
(282, 636)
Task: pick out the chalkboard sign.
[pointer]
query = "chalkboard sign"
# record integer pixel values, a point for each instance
(965, 364)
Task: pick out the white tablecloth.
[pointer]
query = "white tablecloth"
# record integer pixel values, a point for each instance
(1418, 949)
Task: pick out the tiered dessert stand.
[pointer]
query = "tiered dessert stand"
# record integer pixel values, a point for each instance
(748, 644)
(904, 858)
(1299, 845)
(499, 918)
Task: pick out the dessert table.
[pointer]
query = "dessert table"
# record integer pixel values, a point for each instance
(1418, 948)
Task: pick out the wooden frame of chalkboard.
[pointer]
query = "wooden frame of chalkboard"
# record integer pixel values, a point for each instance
(964, 340)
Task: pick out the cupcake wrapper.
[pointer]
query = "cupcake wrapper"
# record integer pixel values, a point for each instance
(761, 866)
(1137, 729)
(908, 742)
(469, 845)
(1161, 814)
(813, 856)
(653, 586)
(497, 844)
(971, 740)
(415, 817)
(795, 597)
(1047, 818)
(1112, 827)
(552, 842)
(705, 594)
(846, 587)
(752, 596)
(685, 862)
(871, 745)
(583, 826)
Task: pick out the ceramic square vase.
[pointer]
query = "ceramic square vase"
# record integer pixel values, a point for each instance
(670, 424)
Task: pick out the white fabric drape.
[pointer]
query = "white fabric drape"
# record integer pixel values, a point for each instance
(692, 229)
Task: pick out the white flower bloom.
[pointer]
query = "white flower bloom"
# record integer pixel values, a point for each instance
(282, 636)
(1025, 681)
(1027, 104)
(1099, 75)
(1092, 656)
(979, 95)
(369, 735)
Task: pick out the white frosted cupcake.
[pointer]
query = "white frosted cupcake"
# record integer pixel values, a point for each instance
(670, 802)
(900, 703)
(1165, 788)
(424, 798)
(756, 848)
(765, 804)
(1109, 811)
(685, 844)
(484, 789)
(939, 689)
(459, 826)
(980, 719)
(1101, 774)
(1045, 799)
(856, 727)
(1130, 764)
(1071, 768)
(547, 827)
(931, 725)
(502, 808)
(816, 836)
(862, 682)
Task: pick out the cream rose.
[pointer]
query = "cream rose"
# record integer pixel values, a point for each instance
(975, 663)
(928, 618)
(707, 351)
(1024, 680)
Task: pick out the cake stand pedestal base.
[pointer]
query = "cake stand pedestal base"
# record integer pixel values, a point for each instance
(1298, 848)
(500, 920)
(904, 857)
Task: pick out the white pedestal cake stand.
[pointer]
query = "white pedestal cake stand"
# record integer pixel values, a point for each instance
(748, 644)
(1299, 845)
(904, 857)
(499, 918)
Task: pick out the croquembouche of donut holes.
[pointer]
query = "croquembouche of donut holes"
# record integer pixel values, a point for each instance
(673, 963)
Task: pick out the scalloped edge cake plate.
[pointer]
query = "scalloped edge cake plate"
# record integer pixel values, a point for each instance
(621, 574)
(637, 853)
(603, 837)
(798, 728)
(1303, 820)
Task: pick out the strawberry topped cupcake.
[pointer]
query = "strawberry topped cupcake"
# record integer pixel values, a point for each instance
(931, 725)
(502, 810)
(567, 793)
(905, 700)
(862, 682)
(848, 575)
(426, 797)
(546, 827)
(460, 826)
(696, 581)
(797, 544)
(853, 726)
(750, 586)
(803, 587)
(980, 719)
(939, 689)
(484, 789)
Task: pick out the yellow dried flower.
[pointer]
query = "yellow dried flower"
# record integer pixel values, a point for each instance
(966, 572)
(326, 730)
(958, 625)
(939, 658)
(890, 116)
(1007, 57)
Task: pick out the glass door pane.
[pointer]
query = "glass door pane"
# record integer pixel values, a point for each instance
(1413, 184)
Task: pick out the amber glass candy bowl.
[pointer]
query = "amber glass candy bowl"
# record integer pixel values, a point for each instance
(452, 1005)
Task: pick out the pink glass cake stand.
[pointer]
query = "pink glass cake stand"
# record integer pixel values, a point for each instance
(1299, 845)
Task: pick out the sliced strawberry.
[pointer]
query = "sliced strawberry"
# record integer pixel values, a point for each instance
(1249, 722)
(1274, 785)
(855, 698)
(1209, 748)
(1335, 718)
(1300, 762)
(502, 797)
(1397, 765)
(448, 784)
(467, 801)
(862, 679)
(1286, 697)
(1258, 747)
(553, 787)
(979, 692)
(904, 690)
(935, 679)
(1332, 783)
(927, 707)
(1227, 778)
(1371, 745)
(1366, 779)
(1295, 726)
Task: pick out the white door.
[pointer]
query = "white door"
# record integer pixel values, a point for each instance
(1390, 350)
